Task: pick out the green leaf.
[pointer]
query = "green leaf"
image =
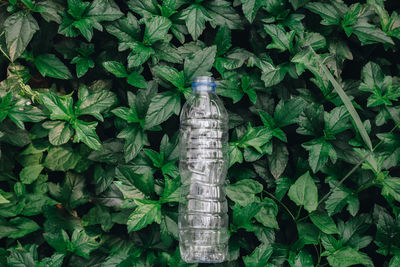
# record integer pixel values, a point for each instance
(250, 8)
(200, 63)
(61, 108)
(329, 14)
(370, 34)
(323, 222)
(341, 196)
(61, 159)
(50, 66)
(137, 80)
(222, 13)
(255, 137)
(272, 75)
(19, 29)
(143, 180)
(162, 106)
(348, 256)
(242, 216)
(170, 74)
(115, 68)
(244, 191)
(223, 40)
(82, 244)
(195, 17)
(259, 257)
(281, 39)
(139, 55)
(20, 257)
(60, 132)
(94, 103)
(171, 191)
(104, 10)
(278, 160)
(135, 140)
(157, 28)
(144, 215)
(235, 155)
(304, 192)
(230, 89)
(336, 121)
(391, 187)
(298, 3)
(308, 233)
(288, 112)
(303, 259)
(72, 192)
(30, 173)
(145, 8)
(17, 227)
(85, 132)
(267, 214)
(319, 152)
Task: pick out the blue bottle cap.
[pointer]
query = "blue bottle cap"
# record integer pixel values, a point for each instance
(203, 84)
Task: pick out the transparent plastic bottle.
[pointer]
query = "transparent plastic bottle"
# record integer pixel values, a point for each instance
(203, 219)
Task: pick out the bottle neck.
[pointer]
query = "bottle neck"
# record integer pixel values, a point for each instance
(203, 87)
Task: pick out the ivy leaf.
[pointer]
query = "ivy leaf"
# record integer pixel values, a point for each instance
(144, 215)
(162, 106)
(304, 192)
(200, 63)
(243, 191)
(49, 65)
(19, 29)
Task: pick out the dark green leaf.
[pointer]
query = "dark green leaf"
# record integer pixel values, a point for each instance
(144, 215)
(162, 106)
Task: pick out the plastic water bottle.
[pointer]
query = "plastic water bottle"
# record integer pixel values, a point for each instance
(203, 219)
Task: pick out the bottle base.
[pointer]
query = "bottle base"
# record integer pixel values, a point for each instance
(203, 254)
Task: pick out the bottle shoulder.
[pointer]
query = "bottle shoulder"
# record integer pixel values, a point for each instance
(204, 106)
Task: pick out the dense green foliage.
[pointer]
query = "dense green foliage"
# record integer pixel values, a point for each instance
(90, 95)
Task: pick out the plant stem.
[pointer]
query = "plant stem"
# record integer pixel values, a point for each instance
(281, 203)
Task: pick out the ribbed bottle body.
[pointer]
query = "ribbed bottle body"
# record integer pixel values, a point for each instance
(203, 220)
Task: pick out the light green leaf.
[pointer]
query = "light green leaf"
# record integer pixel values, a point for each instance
(82, 244)
(304, 192)
(195, 17)
(244, 191)
(144, 215)
(61, 159)
(115, 68)
(60, 132)
(156, 29)
(323, 222)
(137, 80)
(19, 29)
(85, 132)
(50, 66)
(319, 152)
(200, 63)
(94, 103)
(329, 14)
(162, 106)
(281, 39)
(30, 173)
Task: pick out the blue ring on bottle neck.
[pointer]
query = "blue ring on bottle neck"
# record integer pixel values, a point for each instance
(206, 87)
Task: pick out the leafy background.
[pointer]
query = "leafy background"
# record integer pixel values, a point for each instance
(90, 98)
